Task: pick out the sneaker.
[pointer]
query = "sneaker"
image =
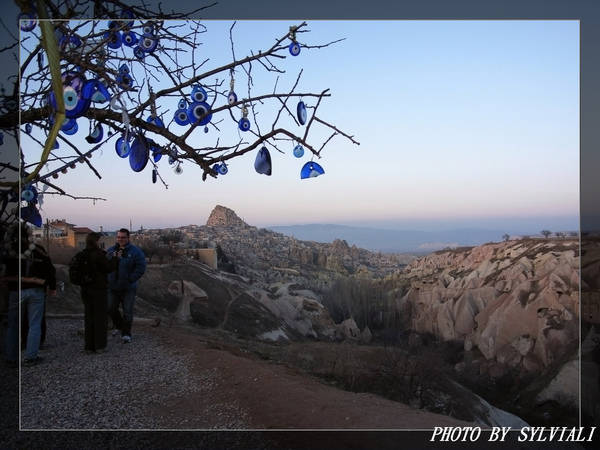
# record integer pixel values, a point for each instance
(101, 350)
(32, 362)
(88, 351)
(115, 332)
(126, 339)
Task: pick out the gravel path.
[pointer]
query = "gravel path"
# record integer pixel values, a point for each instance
(130, 387)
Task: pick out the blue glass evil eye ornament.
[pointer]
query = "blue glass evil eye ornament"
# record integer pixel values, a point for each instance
(114, 39)
(181, 117)
(156, 121)
(138, 158)
(26, 21)
(154, 175)
(223, 169)
(29, 194)
(96, 135)
(125, 80)
(199, 94)
(148, 43)
(95, 91)
(122, 147)
(262, 163)
(232, 98)
(28, 128)
(129, 38)
(294, 49)
(30, 214)
(301, 113)
(311, 170)
(298, 151)
(244, 124)
(139, 53)
(70, 128)
(127, 14)
(198, 109)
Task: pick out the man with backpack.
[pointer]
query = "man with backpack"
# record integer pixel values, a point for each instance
(130, 265)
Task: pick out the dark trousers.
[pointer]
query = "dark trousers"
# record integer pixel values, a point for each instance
(95, 317)
(126, 299)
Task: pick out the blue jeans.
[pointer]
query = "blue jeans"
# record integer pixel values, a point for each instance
(125, 298)
(32, 304)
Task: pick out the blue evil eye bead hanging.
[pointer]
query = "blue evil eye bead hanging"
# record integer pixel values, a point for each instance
(181, 117)
(96, 135)
(139, 53)
(198, 109)
(29, 194)
(68, 43)
(138, 157)
(28, 128)
(114, 39)
(232, 97)
(148, 43)
(223, 169)
(127, 14)
(30, 214)
(27, 21)
(154, 176)
(262, 163)
(95, 91)
(311, 170)
(294, 49)
(244, 123)
(301, 112)
(148, 28)
(156, 121)
(122, 147)
(70, 127)
(129, 38)
(123, 69)
(215, 168)
(298, 151)
(125, 80)
(199, 94)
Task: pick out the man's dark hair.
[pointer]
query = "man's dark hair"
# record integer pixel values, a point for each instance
(124, 230)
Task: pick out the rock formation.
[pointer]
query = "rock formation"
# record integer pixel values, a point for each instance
(222, 216)
(516, 301)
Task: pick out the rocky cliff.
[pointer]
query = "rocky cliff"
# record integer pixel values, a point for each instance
(517, 302)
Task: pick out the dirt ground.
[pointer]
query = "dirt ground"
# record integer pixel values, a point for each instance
(277, 396)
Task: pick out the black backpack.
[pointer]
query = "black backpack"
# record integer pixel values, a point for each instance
(80, 272)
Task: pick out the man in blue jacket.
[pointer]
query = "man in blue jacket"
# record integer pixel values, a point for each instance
(130, 264)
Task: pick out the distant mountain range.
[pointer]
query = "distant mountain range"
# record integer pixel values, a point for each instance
(393, 241)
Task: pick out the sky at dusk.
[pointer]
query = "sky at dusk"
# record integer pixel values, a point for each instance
(461, 124)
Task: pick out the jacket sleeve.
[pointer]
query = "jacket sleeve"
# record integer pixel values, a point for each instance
(139, 266)
(50, 271)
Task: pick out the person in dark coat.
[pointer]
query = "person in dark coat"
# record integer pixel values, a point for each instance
(95, 296)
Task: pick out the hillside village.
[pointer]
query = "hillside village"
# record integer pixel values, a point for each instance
(228, 236)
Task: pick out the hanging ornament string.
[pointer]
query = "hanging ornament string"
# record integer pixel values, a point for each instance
(117, 104)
